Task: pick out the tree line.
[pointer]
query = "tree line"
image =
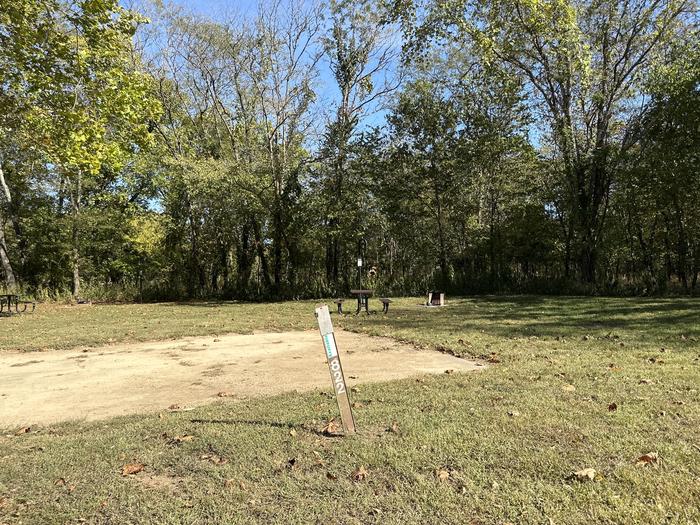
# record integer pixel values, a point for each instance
(476, 146)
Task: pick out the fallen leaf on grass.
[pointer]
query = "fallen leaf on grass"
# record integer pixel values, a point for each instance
(650, 458)
(213, 458)
(360, 474)
(612, 407)
(568, 388)
(225, 394)
(332, 427)
(442, 474)
(23, 430)
(586, 474)
(232, 482)
(132, 468)
(319, 460)
(63, 482)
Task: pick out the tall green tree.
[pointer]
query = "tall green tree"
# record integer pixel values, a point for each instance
(83, 100)
(661, 188)
(584, 64)
(363, 61)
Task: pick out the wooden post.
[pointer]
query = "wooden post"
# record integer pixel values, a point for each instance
(342, 395)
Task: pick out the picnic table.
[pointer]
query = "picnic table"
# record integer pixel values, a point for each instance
(362, 299)
(363, 302)
(8, 300)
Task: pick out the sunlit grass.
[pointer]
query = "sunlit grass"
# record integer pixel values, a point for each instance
(509, 437)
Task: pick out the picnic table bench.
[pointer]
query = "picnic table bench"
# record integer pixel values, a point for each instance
(7, 301)
(362, 301)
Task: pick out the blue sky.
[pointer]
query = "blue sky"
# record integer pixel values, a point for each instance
(326, 90)
(213, 8)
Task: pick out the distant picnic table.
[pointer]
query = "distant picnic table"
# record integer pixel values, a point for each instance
(363, 301)
(8, 300)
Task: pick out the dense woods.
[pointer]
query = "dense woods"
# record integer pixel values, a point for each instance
(477, 146)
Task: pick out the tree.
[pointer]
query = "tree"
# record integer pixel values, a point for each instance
(84, 103)
(25, 44)
(361, 57)
(425, 129)
(239, 103)
(661, 188)
(584, 63)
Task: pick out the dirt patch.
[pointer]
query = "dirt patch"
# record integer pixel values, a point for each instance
(140, 377)
(160, 483)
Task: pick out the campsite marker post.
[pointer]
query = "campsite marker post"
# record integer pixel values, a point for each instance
(337, 378)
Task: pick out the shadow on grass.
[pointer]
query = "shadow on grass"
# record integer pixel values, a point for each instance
(274, 424)
(554, 316)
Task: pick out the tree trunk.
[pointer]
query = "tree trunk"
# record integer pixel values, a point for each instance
(277, 250)
(244, 259)
(265, 270)
(442, 255)
(10, 282)
(696, 266)
(492, 245)
(13, 216)
(224, 254)
(197, 278)
(588, 260)
(75, 233)
(681, 244)
(588, 225)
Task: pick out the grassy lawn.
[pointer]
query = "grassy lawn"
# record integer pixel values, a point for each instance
(493, 447)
